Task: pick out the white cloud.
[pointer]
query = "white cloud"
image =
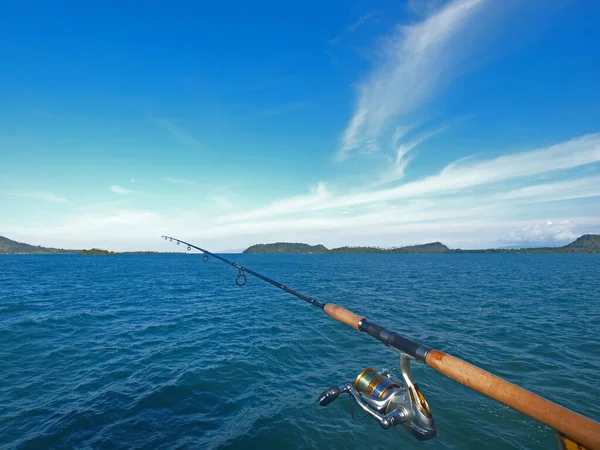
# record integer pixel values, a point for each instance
(417, 61)
(292, 205)
(352, 135)
(360, 21)
(181, 181)
(471, 203)
(117, 189)
(456, 177)
(398, 166)
(467, 227)
(560, 190)
(371, 222)
(536, 233)
(117, 230)
(400, 132)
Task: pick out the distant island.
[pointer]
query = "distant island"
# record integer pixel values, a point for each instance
(95, 251)
(588, 243)
(10, 247)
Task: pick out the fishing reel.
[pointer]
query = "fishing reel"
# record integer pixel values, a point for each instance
(389, 400)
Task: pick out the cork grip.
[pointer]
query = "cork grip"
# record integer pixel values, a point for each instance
(582, 430)
(343, 315)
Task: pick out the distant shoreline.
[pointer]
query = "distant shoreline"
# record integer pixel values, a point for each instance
(86, 253)
(588, 243)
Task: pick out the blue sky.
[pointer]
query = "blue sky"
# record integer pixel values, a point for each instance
(345, 123)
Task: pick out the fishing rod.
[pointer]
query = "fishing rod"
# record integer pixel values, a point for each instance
(391, 401)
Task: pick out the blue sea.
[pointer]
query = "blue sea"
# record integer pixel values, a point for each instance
(166, 352)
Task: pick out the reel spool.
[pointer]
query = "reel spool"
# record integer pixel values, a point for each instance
(389, 400)
(370, 382)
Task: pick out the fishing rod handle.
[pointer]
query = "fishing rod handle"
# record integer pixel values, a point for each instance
(341, 314)
(580, 429)
(575, 426)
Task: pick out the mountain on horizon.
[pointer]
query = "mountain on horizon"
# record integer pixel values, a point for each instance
(287, 247)
(588, 243)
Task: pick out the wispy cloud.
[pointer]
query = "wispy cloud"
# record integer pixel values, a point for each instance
(45, 196)
(318, 195)
(182, 181)
(398, 165)
(456, 177)
(177, 133)
(416, 61)
(360, 21)
(476, 202)
(117, 189)
(423, 8)
(560, 190)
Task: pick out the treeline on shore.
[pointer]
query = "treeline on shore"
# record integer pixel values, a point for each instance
(588, 243)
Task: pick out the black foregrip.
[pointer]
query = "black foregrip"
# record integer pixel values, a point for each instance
(404, 345)
(390, 338)
(372, 329)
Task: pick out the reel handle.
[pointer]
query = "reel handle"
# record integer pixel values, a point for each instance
(386, 421)
(329, 395)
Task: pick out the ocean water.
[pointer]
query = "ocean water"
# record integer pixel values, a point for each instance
(166, 352)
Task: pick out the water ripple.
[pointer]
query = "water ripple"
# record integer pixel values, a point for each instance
(163, 351)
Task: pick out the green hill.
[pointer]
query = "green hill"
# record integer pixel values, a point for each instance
(588, 243)
(432, 247)
(96, 251)
(8, 246)
(347, 249)
(286, 247)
